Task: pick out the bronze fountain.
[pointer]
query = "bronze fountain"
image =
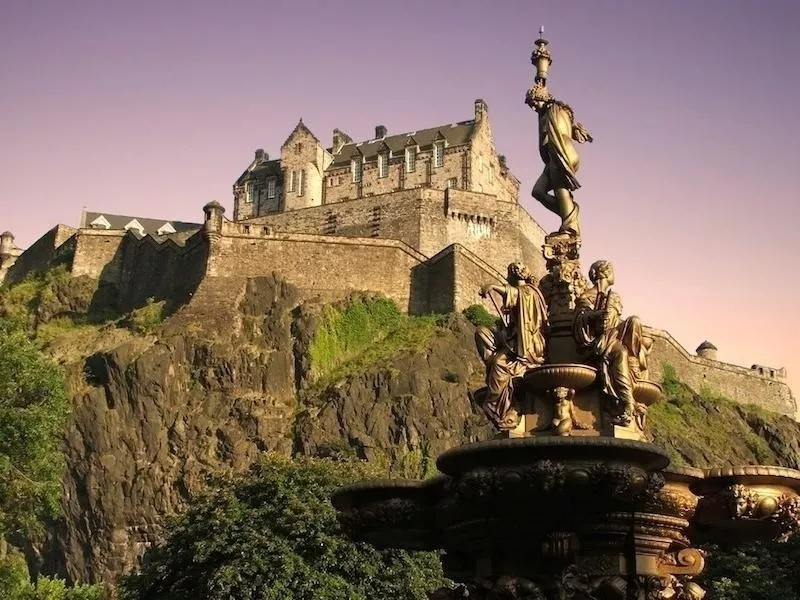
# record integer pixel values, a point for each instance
(570, 501)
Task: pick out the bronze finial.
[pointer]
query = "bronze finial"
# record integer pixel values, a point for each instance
(541, 57)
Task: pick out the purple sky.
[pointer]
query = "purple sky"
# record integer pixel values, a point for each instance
(153, 108)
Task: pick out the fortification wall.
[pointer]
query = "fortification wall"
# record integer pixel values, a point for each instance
(393, 216)
(737, 383)
(324, 267)
(39, 255)
(97, 254)
(162, 270)
(428, 220)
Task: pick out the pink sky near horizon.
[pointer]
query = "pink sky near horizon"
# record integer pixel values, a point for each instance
(690, 188)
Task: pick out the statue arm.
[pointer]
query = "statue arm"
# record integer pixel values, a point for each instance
(497, 289)
(580, 134)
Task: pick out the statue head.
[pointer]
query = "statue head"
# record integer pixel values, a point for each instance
(518, 272)
(538, 97)
(601, 269)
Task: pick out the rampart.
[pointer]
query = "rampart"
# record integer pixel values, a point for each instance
(39, 255)
(427, 220)
(746, 386)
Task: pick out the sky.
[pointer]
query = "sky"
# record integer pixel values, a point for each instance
(153, 108)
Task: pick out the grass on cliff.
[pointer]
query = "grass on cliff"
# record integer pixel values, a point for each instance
(705, 429)
(352, 338)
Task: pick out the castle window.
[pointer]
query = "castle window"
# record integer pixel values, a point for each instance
(292, 181)
(383, 164)
(249, 190)
(355, 168)
(271, 188)
(301, 180)
(411, 159)
(452, 182)
(298, 148)
(438, 154)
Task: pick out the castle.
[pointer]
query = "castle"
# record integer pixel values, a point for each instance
(424, 217)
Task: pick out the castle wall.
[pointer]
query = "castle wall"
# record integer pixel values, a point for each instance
(428, 220)
(339, 185)
(320, 266)
(39, 255)
(487, 174)
(162, 270)
(302, 154)
(737, 383)
(395, 216)
(97, 254)
(471, 274)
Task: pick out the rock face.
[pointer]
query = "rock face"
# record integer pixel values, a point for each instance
(227, 377)
(221, 381)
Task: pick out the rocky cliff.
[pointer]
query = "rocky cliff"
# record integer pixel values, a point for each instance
(239, 370)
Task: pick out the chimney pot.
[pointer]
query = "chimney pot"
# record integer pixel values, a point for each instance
(380, 131)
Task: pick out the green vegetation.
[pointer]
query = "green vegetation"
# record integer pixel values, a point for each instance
(33, 410)
(705, 429)
(366, 331)
(272, 534)
(478, 315)
(15, 584)
(145, 318)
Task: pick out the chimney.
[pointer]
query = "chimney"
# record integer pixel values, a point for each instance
(380, 131)
(261, 155)
(481, 110)
(502, 160)
(707, 350)
(340, 138)
(6, 243)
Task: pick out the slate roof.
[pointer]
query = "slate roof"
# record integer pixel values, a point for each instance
(265, 168)
(150, 226)
(455, 134)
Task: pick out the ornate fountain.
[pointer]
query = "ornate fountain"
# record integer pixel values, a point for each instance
(570, 501)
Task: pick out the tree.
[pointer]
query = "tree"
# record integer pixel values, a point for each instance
(33, 411)
(272, 534)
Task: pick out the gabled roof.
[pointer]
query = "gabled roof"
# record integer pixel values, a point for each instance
(456, 134)
(148, 226)
(297, 128)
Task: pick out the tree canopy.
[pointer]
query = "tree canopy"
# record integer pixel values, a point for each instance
(33, 410)
(272, 534)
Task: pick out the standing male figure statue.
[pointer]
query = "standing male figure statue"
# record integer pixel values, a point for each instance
(557, 129)
(513, 347)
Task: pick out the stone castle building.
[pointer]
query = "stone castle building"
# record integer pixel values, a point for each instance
(424, 217)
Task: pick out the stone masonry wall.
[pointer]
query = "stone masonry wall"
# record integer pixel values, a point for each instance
(41, 253)
(735, 382)
(98, 255)
(161, 270)
(339, 185)
(428, 220)
(320, 266)
(394, 216)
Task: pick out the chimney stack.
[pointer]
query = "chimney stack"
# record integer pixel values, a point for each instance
(380, 131)
(340, 138)
(261, 155)
(481, 110)
(6, 243)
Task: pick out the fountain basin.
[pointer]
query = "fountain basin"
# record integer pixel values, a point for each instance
(570, 375)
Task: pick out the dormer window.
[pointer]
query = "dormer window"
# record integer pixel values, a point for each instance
(411, 159)
(271, 188)
(438, 153)
(383, 164)
(355, 169)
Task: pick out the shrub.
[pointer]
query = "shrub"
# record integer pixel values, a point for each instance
(478, 315)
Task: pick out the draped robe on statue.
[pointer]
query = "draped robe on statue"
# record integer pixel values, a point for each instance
(598, 333)
(512, 349)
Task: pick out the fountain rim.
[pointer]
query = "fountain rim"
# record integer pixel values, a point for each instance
(511, 451)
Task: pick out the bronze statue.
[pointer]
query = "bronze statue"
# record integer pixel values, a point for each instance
(513, 347)
(611, 341)
(557, 130)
